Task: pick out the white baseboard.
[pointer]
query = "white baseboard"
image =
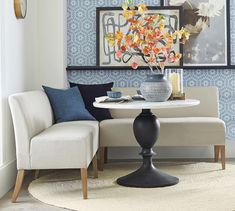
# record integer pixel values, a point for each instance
(7, 177)
(171, 152)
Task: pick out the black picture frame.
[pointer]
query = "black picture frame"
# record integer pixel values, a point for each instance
(94, 68)
(229, 65)
(127, 67)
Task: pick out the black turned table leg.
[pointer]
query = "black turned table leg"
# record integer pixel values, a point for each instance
(146, 129)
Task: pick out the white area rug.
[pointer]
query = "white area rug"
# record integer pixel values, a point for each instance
(203, 186)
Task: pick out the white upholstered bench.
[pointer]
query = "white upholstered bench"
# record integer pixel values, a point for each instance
(192, 126)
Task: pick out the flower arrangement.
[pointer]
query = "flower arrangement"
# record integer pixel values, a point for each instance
(147, 39)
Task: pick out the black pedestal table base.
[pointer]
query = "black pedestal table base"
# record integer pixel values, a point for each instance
(146, 129)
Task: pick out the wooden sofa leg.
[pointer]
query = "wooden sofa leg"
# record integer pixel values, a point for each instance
(84, 182)
(18, 184)
(222, 151)
(106, 155)
(216, 153)
(36, 175)
(95, 167)
(101, 158)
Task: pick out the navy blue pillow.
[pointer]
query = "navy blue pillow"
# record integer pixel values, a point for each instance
(89, 93)
(67, 105)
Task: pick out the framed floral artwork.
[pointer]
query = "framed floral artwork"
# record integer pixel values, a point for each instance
(110, 20)
(208, 23)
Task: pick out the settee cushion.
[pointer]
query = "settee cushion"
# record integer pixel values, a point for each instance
(67, 104)
(180, 131)
(65, 145)
(89, 93)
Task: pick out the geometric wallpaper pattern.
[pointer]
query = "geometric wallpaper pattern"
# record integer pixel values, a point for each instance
(81, 18)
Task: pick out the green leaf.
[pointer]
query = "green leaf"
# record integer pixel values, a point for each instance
(124, 6)
(161, 17)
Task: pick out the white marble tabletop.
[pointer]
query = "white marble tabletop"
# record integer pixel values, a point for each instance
(148, 105)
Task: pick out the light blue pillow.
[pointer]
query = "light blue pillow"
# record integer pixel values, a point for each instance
(67, 104)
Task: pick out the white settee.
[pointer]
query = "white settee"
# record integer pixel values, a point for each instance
(192, 126)
(41, 144)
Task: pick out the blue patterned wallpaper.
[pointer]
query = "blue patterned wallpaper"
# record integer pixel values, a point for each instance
(82, 48)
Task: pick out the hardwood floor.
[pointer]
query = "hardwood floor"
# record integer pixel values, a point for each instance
(27, 203)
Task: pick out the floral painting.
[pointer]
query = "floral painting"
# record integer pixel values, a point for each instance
(112, 21)
(206, 21)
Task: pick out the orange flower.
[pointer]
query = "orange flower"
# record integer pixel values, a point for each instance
(132, 20)
(174, 58)
(143, 30)
(156, 50)
(128, 14)
(142, 8)
(119, 54)
(151, 59)
(157, 32)
(128, 40)
(146, 50)
(161, 26)
(178, 56)
(123, 49)
(119, 42)
(149, 19)
(134, 45)
(111, 41)
(147, 35)
(134, 65)
(119, 35)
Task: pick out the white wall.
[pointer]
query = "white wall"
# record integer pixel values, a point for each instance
(33, 52)
(18, 58)
(1, 68)
(52, 25)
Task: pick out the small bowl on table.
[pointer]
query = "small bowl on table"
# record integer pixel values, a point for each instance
(113, 94)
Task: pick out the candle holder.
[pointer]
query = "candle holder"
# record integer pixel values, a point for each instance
(175, 77)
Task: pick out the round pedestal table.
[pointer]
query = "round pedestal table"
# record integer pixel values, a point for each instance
(146, 128)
